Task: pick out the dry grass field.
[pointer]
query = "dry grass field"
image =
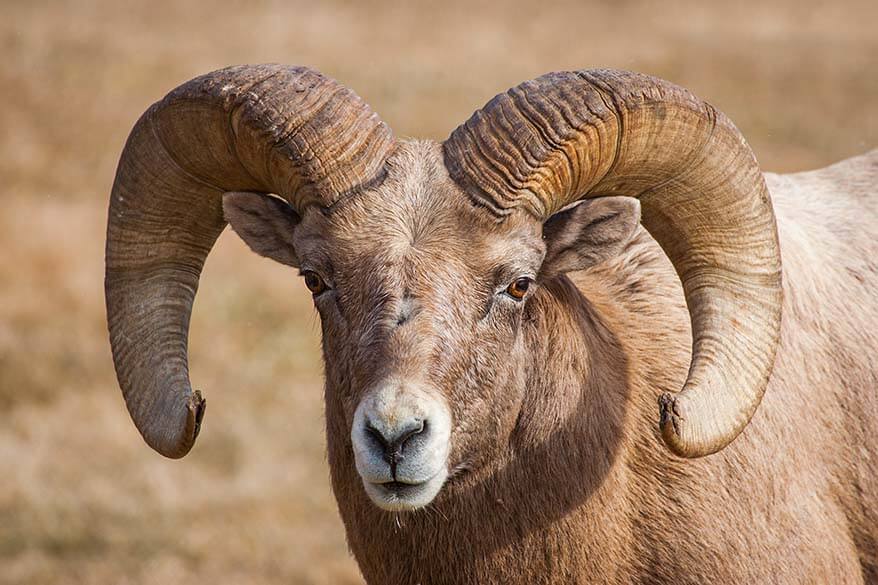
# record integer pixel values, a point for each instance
(82, 499)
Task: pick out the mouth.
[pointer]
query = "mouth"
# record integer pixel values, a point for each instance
(398, 487)
(397, 496)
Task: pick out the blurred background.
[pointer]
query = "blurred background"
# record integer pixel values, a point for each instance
(82, 498)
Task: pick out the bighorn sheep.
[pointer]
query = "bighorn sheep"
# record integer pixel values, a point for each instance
(494, 353)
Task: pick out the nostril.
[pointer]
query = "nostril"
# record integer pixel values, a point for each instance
(391, 444)
(379, 438)
(418, 427)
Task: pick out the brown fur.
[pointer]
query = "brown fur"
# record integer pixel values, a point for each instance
(558, 471)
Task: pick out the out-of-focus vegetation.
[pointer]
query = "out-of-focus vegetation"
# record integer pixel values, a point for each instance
(82, 499)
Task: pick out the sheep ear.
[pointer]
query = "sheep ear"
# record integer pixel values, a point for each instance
(589, 233)
(264, 223)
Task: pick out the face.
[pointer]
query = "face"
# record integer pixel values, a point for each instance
(421, 297)
(425, 301)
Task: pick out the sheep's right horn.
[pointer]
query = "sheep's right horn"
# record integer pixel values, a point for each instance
(566, 136)
(266, 128)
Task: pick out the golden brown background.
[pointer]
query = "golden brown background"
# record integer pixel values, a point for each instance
(82, 499)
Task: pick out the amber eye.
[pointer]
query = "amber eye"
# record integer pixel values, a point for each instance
(518, 288)
(314, 283)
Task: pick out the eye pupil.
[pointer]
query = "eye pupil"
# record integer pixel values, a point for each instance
(518, 288)
(314, 283)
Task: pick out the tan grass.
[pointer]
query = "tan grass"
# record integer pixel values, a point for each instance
(82, 499)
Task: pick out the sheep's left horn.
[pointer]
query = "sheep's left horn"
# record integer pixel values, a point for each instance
(565, 136)
(266, 128)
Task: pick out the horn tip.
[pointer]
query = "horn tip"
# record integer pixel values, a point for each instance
(669, 420)
(197, 407)
(687, 440)
(671, 425)
(176, 443)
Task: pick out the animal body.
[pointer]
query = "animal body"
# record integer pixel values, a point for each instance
(502, 311)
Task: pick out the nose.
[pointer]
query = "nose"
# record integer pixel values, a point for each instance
(391, 439)
(400, 438)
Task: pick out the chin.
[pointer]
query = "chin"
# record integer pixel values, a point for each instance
(404, 497)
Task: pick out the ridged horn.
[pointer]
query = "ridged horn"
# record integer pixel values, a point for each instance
(566, 136)
(264, 128)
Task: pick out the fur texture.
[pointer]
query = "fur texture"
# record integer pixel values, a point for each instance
(557, 470)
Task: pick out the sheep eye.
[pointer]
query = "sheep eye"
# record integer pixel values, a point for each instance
(518, 288)
(314, 283)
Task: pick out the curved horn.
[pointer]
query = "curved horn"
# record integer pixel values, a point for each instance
(267, 128)
(566, 136)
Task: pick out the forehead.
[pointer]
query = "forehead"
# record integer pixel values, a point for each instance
(418, 214)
